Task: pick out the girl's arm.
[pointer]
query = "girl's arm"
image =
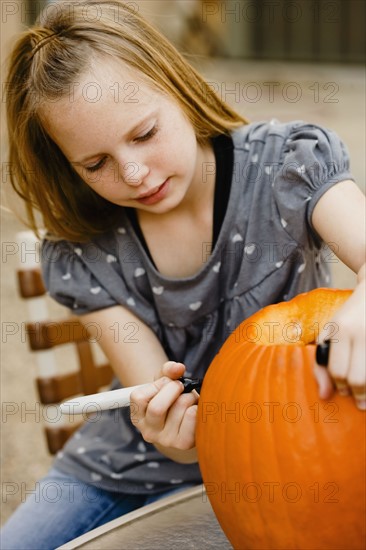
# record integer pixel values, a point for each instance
(163, 415)
(339, 218)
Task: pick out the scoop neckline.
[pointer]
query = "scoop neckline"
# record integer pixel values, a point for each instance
(225, 228)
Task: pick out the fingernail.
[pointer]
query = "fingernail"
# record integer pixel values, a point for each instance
(361, 404)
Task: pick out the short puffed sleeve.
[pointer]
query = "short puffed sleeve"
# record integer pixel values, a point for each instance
(313, 160)
(69, 280)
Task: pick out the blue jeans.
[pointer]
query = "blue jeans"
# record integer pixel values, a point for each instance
(62, 508)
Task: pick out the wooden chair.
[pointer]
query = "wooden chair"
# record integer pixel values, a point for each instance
(89, 377)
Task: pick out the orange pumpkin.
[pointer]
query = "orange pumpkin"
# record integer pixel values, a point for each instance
(283, 469)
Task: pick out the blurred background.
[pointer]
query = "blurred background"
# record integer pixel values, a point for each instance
(289, 60)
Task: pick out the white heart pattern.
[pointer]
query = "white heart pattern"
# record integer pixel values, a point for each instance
(283, 222)
(249, 249)
(237, 238)
(279, 264)
(301, 169)
(121, 230)
(110, 258)
(139, 457)
(96, 289)
(158, 290)
(95, 477)
(268, 170)
(255, 158)
(66, 277)
(139, 271)
(114, 475)
(195, 306)
(216, 267)
(301, 268)
(78, 251)
(131, 301)
(141, 447)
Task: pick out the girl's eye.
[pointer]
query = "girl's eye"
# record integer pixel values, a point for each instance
(97, 166)
(149, 134)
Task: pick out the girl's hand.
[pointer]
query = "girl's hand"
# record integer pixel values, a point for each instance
(163, 415)
(347, 363)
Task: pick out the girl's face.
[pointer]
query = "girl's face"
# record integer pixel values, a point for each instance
(132, 144)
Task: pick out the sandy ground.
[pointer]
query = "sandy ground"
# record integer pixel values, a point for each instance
(332, 96)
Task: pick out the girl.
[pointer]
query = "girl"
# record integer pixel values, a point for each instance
(172, 219)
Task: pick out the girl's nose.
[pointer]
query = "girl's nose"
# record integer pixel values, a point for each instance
(133, 173)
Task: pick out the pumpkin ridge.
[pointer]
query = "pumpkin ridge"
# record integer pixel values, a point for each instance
(283, 398)
(240, 375)
(252, 438)
(276, 464)
(294, 381)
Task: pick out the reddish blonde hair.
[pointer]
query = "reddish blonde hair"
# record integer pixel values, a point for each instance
(46, 61)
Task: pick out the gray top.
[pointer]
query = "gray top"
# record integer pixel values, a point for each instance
(266, 252)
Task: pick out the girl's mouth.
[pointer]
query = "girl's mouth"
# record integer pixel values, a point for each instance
(155, 196)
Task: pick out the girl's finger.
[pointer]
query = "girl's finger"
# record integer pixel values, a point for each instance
(324, 381)
(179, 408)
(357, 374)
(188, 428)
(339, 362)
(158, 407)
(173, 369)
(141, 397)
(177, 432)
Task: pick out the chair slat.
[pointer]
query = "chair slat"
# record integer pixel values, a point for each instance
(30, 283)
(56, 437)
(58, 388)
(49, 334)
(43, 335)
